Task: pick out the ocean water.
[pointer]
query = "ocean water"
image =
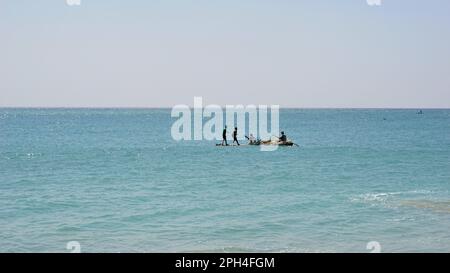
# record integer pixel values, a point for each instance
(115, 181)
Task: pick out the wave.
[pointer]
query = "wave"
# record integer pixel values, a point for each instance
(235, 249)
(385, 196)
(419, 199)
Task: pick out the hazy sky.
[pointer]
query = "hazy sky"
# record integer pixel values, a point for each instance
(158, 53)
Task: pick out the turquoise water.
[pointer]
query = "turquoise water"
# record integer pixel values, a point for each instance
(115, 181)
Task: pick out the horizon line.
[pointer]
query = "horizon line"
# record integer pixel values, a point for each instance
(170, 107)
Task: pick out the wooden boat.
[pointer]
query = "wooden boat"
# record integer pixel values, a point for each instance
(263, 142)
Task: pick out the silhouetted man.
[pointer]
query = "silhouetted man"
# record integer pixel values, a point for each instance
(224, 136)
(235, 136)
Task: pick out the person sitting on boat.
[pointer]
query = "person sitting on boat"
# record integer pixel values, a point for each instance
(224, 136)
(282, 138)
(235, 136)
(251, 139)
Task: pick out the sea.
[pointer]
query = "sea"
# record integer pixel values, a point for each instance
(114, 180)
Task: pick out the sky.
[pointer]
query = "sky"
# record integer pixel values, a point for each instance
(159, 53)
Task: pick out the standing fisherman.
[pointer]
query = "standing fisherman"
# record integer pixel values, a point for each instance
(224, 136)
(235, 136)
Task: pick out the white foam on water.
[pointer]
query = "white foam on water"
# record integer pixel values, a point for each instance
(384, 197)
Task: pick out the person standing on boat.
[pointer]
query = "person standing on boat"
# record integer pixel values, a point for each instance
(235, 136)
(224, 136)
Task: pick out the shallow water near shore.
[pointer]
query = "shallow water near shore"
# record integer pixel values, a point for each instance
(115, 181)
